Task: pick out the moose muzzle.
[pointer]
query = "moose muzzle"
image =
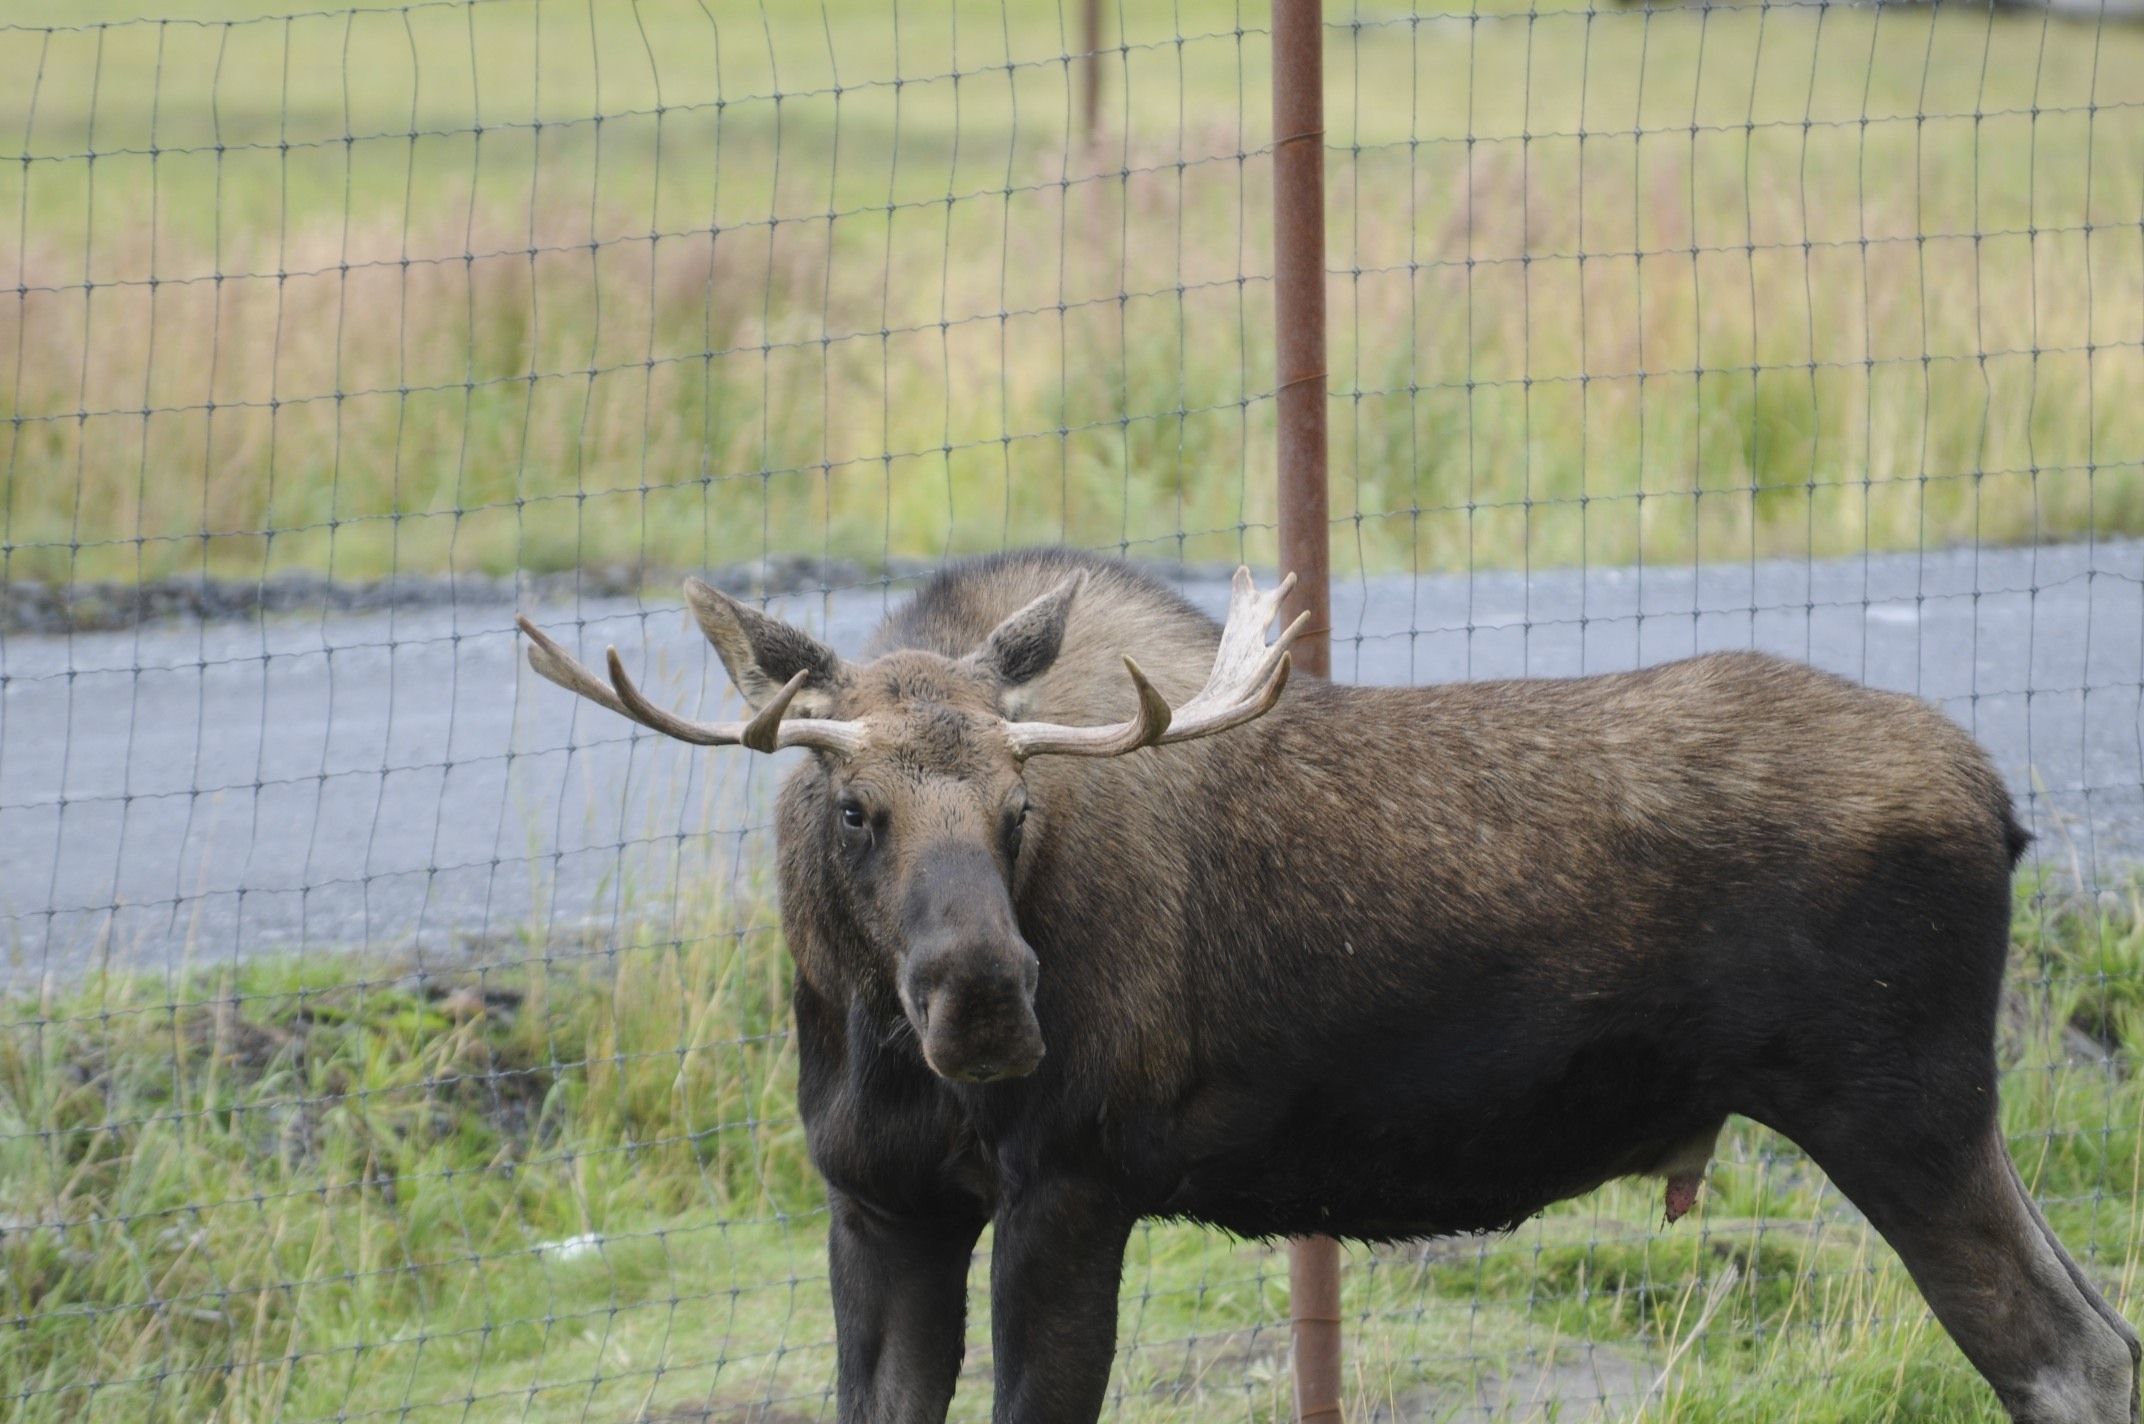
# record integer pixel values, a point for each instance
(968, 981)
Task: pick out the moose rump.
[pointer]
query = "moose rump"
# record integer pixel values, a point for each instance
(1092, 923)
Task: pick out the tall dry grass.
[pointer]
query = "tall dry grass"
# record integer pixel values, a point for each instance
(1654, 286)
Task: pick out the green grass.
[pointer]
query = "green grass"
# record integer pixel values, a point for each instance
(568, 1183)
(487, 333)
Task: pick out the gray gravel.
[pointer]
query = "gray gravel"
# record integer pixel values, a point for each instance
(195, 791)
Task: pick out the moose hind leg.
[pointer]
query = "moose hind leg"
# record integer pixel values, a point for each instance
(1994, 1275)
(2090, 1292)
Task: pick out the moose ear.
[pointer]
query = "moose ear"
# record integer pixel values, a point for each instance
(1022, 647)
(763, 653)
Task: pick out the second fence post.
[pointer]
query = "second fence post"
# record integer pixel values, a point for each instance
(1305, 535)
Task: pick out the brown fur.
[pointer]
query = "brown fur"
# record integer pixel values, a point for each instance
(1385, 962)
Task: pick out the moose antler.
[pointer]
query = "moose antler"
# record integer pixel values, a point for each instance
(1246, 681)
(765, 732)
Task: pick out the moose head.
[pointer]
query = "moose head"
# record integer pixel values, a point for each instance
(926, 809)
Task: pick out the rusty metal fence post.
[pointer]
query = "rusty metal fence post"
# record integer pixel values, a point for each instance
(1305, 535)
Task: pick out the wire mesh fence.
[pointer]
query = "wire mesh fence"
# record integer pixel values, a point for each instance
(386, 1039)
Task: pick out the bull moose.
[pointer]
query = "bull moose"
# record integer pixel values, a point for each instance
(1080, 942)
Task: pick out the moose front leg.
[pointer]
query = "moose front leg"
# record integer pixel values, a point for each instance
(1055, 1263)
(900, 1291)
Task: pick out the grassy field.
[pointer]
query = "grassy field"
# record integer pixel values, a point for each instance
(574, 1189)
(523, 285)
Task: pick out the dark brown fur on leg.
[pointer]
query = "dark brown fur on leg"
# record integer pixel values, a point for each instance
(2085, 1288)
(1999, 1281)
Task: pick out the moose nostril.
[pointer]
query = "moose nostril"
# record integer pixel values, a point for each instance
(923, 983)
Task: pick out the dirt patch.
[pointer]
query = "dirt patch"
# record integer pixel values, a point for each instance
(2090, 1038)
(274, 1067)
(719, 1413)
(1580, 1381)
(30, 606)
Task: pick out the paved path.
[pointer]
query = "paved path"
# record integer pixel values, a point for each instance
(192, 792)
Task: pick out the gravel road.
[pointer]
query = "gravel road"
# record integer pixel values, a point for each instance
(191, 792)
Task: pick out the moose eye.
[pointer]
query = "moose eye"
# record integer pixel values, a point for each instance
(1015, 823)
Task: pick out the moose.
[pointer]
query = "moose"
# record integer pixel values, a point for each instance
(1092, 923)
